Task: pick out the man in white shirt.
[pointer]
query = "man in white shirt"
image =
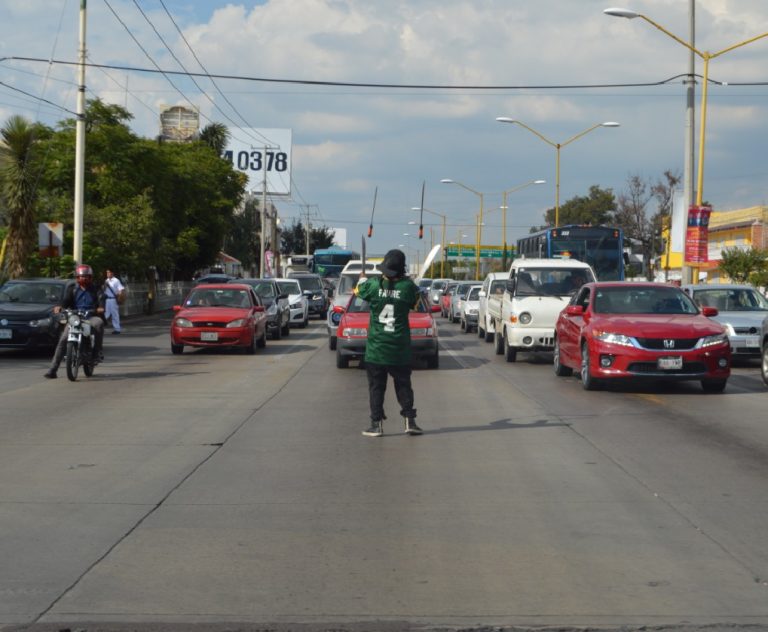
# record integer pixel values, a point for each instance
(112, 289)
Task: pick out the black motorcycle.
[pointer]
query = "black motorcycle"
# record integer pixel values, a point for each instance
(81, 341)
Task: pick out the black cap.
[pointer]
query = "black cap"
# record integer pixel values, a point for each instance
(393, 264)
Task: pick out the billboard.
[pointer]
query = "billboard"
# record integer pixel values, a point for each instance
(697, 234)
(253, 150)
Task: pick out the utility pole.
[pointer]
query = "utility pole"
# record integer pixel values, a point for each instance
(685, 271)
(77, 249)
(262, 266)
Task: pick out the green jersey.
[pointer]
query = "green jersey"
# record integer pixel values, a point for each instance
(389, 334)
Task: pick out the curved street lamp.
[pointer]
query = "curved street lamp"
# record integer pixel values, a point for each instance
(705, 56)
(557, 146)
(479, 228)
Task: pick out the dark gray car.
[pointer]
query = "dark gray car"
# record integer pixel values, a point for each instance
(26, 312)
(276, 304)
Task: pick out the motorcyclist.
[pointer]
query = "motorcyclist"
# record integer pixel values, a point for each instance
(82, 296)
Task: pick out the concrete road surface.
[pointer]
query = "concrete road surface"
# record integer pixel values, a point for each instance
(228, 491)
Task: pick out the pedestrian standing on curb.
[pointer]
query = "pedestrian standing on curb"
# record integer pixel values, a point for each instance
(112, 289)
(388, 348)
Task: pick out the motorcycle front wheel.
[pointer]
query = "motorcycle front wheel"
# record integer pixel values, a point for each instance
(73, 360)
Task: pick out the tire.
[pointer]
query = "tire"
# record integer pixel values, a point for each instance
(305, 322)
(286, 329)
(713, 386)
(560, 369)
(73, 361)
(587, 381)
(764, 365)
(88, 368)
(462, 325)
(250, 349)
(510, 353)
(488, 333)
(480, 330)
(277, 333)
(498, 343)
(177, 349)
(332, 343)
(433, 362)
(261, 341)
(342, 362)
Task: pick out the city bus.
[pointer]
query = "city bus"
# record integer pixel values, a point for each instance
(602, 247)
(329, 262)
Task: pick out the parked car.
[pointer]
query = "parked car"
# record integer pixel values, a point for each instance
(469, 308)
(352, 332)
(276, 305)
(219, 315)
(764, 350)
(313, 288)
(296, 301)
(436, 289)
(494, 286)
(740, 308)
(347, 282)
(26, 312)
(445, 298)
(454, 306)
(214, 277)
(614, 330)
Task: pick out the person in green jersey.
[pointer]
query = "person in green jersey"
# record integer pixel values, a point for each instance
(388, 349)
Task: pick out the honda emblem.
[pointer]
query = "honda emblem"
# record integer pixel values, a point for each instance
(669, 344)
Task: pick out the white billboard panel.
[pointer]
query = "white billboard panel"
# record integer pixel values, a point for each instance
(251, 149)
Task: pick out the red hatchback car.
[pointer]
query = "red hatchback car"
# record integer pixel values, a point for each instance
(352, 332)
(640, 331)
(219, 315)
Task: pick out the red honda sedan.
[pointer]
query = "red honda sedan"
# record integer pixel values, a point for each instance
(640, 331)
(219, 315)
(352, 332)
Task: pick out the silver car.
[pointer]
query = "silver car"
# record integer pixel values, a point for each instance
(741, 309)
(764, 344)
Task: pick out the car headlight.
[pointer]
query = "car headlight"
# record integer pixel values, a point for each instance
(239, 322)
(357, 332)
(525, 318)
(614, 339)
(296, 303)
(74, 320)
(718, 339)
(182, 322)
(42, 323)
(473, 312)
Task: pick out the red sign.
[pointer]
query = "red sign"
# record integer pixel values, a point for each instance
(697, 234)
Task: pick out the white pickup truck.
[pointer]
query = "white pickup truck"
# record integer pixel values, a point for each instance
(490, 303)
(537, 290)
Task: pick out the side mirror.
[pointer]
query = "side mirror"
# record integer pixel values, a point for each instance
(282, 296)
(574, 310)
(709, 311)
(258, 308)
(177, 308)
(338, 309)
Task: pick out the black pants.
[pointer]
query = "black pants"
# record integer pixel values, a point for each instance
(377, 387)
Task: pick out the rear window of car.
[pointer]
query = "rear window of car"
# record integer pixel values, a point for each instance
(289, 287)
(310, 283)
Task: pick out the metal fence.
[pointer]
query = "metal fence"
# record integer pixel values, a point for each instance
(139, 299)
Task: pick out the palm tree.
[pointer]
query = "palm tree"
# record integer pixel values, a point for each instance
(216, 135)
(17, 187)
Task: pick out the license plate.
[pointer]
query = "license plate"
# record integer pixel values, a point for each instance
(672, 363)
(6, 334)
(753, 343)
(209, 336)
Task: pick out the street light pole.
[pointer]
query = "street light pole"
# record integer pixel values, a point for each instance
(558, 147)
(504, 216)
(479, 231)
(442, 240)
(77, 247)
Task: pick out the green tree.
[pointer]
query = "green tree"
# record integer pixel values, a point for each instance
(594, 208)
(740, 265)
(216, 136)
(18, 188)
(294, 238)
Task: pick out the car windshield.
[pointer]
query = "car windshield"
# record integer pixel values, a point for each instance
(265, 289)
(474, 294)
(643, 300)
(551, 281)
(731, 299)
(209, 297)
(312, 284)
(289, 287)
(21, 292)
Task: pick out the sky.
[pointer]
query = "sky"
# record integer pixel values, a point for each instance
(558, 66)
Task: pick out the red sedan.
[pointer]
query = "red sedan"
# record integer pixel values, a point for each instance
(352, 332)
(219, 315)
(640, 330)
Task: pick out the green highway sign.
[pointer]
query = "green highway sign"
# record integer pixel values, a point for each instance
(486, 252)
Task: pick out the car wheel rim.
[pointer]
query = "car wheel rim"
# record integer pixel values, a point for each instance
(584, 364)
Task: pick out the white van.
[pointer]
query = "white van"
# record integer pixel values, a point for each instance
(537, 291)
